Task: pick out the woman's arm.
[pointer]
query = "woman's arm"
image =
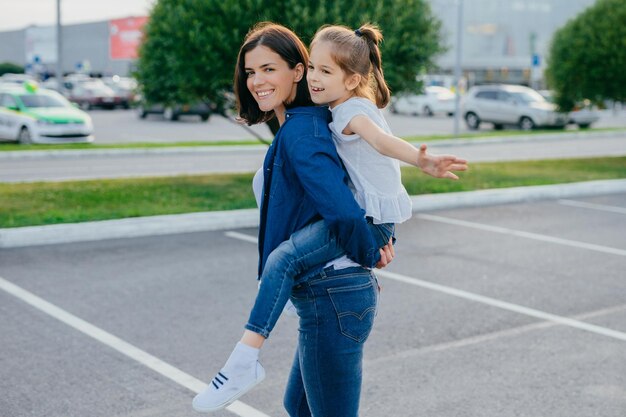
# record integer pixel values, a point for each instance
(318, 168)
(438, 166)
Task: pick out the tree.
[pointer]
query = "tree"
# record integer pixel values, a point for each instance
(190, 46)
(587, 58)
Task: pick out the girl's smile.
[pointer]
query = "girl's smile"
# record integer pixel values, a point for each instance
(328, 83)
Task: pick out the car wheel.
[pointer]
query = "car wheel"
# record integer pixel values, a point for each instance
(204, 117)
(472, 120)
(141, 111)
(24, 136)
(526, 123)
(584, 125)
(427, 111)
(498, 126)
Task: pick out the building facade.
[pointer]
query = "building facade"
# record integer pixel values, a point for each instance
(503, 40)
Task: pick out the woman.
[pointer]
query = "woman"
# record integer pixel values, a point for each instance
(303, 181)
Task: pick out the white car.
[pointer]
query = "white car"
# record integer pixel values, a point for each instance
(583, 115)
(435, 100)
(503, 104)
(29, 114)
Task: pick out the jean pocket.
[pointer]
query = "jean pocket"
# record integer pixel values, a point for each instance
(356, 308)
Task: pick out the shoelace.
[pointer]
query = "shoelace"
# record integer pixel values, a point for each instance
(216, 379)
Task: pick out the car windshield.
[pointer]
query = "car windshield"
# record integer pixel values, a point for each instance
(41, 100)
(527, 96)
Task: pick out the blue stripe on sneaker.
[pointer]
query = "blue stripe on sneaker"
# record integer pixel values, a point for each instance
(222, 375)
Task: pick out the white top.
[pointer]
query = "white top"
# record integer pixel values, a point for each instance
(375, 177)
(257, 187)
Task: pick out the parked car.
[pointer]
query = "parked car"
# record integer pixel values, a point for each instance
(435, 100)
(124, 87)
(503, 105)
(583, 115)
(91, 93)
(53, 84)
(173, 112)
(18, 79)
(30, 114)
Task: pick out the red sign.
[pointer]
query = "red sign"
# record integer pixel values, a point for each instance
(125, 36)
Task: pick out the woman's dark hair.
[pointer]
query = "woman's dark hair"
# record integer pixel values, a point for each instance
(290, 48)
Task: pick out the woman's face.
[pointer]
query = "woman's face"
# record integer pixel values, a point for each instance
(270, 80)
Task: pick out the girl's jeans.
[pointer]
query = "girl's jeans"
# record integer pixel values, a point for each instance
(336, 310)
(306, 249)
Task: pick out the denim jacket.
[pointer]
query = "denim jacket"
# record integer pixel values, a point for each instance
(304, 181)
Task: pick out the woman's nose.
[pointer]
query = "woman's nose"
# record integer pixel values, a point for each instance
(258, 79)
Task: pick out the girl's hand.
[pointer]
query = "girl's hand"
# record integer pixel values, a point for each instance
(387, 253)
(440, 166)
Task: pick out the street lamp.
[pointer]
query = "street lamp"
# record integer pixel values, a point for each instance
(457, 66)
(59, 66)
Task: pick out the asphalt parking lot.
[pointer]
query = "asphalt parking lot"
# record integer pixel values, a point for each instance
(512, 310)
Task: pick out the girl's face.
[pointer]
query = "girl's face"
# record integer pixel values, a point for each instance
(270, 80)
(328, 83)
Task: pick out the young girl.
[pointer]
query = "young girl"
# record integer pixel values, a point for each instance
(340, 71)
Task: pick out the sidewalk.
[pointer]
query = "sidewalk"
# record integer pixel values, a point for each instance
(224, 220)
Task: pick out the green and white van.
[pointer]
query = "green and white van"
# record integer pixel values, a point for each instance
(29, 114)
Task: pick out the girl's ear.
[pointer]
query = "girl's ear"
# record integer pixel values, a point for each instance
(299, 72)
(353, 81)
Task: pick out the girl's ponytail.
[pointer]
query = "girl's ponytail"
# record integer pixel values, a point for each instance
(373, 36)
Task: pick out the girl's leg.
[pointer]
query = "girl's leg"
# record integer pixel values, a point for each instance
(336, 316)
(309, 247)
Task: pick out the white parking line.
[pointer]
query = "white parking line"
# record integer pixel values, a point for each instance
(482, 299)
(504, 305)
(133, 352)
(242, 236)
(487, 337)
(527, 235)
(601, 207)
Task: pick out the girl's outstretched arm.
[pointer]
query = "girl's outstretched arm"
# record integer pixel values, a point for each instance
(438, 166)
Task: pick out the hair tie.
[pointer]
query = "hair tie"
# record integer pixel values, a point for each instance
(358, 33)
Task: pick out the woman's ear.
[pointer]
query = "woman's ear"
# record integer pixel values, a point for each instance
(299, 72)
(353, 81)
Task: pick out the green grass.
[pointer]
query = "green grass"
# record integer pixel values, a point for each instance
(9, 146)
(78, 201)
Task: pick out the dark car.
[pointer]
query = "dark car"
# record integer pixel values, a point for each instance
(173, 112)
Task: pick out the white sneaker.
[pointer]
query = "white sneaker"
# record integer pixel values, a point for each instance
(227, 387)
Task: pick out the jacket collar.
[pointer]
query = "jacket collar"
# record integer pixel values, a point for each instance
(318, 111)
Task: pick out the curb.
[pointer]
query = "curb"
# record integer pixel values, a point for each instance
(78, 153)
(224, 220)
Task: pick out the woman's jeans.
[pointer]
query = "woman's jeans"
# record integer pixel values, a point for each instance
(308, 248)
(336, 310)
